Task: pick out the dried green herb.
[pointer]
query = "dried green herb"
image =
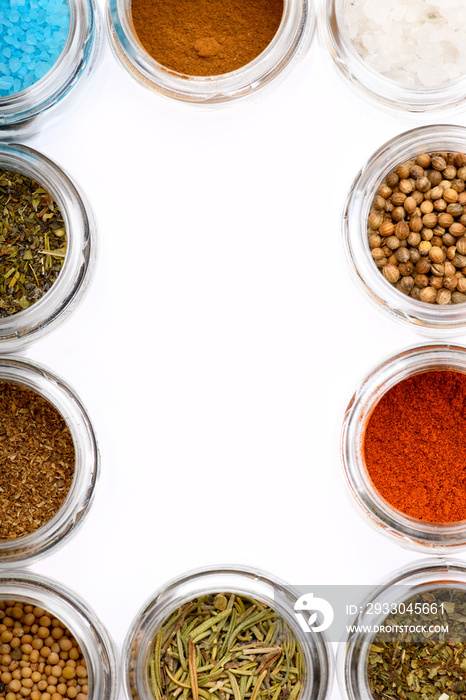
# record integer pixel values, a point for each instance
(32, 242)
(429, 668)
(226, 647)
(37, 460)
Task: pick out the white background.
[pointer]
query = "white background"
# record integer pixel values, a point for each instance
(221, 338)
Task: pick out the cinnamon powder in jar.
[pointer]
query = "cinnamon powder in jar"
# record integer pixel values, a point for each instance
(205, 37)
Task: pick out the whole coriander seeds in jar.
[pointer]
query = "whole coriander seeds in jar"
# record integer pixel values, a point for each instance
(404, 225)
(49, 461)
(48, 51)
(227, 627)
(211, 53)
(403, 451)
(53, 644)
(47, 248)
(406, 56)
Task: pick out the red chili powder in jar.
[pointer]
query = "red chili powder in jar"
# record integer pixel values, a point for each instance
(415, 446)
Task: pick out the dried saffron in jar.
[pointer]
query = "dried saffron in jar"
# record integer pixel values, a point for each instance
(414, 446)
(205, 37)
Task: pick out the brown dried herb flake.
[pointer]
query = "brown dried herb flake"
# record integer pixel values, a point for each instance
(37, 461)
(406, 667)
(32, 242)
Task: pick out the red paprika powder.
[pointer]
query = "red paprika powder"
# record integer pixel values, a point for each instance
(414, 446)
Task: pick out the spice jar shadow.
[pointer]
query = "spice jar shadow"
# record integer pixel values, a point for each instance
(409, 532)
(71, 514)
(290, 43)
(425, 318)
(59, 301)
(262, 587)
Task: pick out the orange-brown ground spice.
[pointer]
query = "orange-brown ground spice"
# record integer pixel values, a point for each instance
(415, 447)
(205, 37)
(37, 461)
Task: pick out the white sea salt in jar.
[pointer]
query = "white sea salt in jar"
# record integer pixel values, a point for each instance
(407, 54)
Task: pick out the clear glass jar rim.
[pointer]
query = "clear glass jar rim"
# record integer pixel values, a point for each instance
(79, 499)
(57, 303)
(389, 372)
(424, 574)
(83, 40)
(72, 610)
(373, 84)
(354, 226)
(246, 581)
(292, 39)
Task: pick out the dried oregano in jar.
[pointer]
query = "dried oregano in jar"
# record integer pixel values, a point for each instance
(32, 242)
(37, 461)
(40, 658)
(420, 652)
(417, 227)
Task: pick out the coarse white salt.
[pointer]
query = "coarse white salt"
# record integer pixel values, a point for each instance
(416, 43)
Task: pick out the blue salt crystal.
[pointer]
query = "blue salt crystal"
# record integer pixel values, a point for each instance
(14, 64)
(33, 34)
(6, 82)
(41, 69)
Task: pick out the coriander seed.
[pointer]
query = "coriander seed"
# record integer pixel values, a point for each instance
(420, 208)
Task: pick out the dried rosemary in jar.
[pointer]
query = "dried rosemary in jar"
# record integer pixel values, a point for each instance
(37, 461)
(32, 242)
(422, 661)
(226, 646)
(417, 228)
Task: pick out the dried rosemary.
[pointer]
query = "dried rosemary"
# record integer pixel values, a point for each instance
(429, 668)
(226, 647)
(32, 242)
(37, 460)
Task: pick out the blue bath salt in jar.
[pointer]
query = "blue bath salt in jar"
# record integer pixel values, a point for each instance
(32, 37)
(48, 51)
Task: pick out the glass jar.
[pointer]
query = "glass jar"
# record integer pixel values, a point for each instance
(291, 41)
(56, 304)
(243, 581)
(428, 319)
(369, 84)
(78, 617)
(70, 516)
(28, 111)
(405, 530)
(421, 577)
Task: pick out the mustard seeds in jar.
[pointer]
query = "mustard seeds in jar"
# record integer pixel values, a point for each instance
(39, 657)
(417, 228)
(37, 461)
